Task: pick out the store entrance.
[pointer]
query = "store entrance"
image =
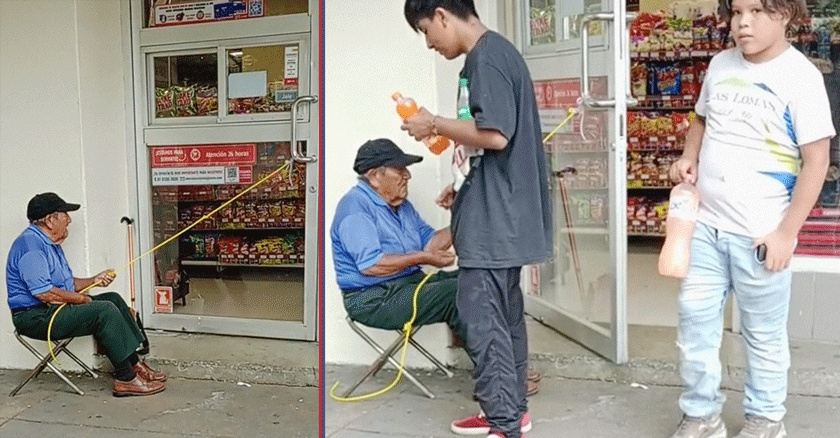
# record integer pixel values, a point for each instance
(228, 167)
(577, 54)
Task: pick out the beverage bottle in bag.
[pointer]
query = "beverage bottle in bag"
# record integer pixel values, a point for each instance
(407, 107)
(464, 112)
(679, 227)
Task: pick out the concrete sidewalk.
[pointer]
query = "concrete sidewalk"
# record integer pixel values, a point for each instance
(564, 408)
(47, 408)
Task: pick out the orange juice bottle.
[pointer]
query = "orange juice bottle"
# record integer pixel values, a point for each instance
(407, 107)
(682, 213)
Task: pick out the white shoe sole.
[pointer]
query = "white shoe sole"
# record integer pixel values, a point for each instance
(482, 430)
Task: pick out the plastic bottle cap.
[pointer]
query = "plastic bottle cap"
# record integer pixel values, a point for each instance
(396, 95)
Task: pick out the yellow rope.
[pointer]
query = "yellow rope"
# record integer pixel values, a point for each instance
(572, 113)
(164, 243)
(407, 330)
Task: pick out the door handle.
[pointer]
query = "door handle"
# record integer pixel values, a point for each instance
(296, 149)
(624, 43)
(586, 99)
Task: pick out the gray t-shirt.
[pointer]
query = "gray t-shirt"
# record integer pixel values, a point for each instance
(501, 217)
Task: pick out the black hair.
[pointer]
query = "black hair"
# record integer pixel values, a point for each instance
(416, 10)
(795, 10)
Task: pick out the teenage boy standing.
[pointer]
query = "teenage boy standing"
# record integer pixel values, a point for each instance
(501, 216)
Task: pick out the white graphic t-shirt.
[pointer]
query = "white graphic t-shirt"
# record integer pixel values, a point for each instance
(757, 116)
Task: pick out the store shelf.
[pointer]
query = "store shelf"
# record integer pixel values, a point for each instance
(638, 234)
(296, 227)
(585, 230)
(246, 265)
(669, 55)
(650, 188)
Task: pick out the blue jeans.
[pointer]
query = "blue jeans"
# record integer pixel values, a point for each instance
(721, 262)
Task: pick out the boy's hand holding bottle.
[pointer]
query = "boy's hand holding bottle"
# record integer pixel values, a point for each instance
(684, 170)
(420, 124)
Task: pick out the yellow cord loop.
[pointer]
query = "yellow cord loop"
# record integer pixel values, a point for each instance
(407, 327)
(224, 205)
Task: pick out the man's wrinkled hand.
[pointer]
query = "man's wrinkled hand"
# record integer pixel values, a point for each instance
(440, 259)
(105, 277)
(446, 197)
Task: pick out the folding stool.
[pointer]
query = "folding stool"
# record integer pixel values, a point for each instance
(386, 355)
(46, 361)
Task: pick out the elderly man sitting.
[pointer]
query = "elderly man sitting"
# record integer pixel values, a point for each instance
(379, 242)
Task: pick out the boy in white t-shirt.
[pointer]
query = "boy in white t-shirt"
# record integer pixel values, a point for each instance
(758, 152)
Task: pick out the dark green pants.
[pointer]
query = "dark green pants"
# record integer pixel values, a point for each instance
(107, 318)
(388, 305)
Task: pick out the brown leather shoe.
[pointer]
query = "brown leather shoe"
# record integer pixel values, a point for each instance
(137, 386)
(532, 388)
(534, 375)
(148, 373)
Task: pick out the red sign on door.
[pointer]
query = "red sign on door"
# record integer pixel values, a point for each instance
(204, 155)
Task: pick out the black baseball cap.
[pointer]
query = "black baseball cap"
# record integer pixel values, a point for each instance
(382, 152)
(45, 204)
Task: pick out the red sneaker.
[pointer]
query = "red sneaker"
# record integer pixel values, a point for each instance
(478, 425)
(499, 435)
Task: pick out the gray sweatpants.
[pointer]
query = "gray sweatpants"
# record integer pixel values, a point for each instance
(492, 311)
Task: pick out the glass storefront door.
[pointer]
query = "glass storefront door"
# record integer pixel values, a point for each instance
(576, 52)
(228, 169)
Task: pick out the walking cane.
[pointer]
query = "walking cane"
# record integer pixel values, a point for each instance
(144, 349)
(564, 195)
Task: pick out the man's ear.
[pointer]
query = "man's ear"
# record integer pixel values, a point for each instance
(441, 14)
(371, 176)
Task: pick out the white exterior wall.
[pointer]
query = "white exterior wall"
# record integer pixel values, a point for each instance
(370, 52)
(63, 129)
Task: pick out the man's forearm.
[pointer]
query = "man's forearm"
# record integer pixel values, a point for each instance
(440, 241)
(391, 264)
(807, 189)
(81, 283)
(57, 296)
(467, 133)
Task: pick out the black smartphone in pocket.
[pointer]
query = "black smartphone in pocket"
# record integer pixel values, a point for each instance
(761, 253)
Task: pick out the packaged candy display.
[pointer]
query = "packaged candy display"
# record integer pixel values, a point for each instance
(646, 215)
(261, 227)
(670, 55)
(649, 169)
(186, 101)
(252, 250)
(679, 29)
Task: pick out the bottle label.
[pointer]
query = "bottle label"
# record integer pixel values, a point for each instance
(683, 207)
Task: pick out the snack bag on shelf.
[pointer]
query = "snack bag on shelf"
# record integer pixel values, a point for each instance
(688, 83)
(639, 79)
(668, 77)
